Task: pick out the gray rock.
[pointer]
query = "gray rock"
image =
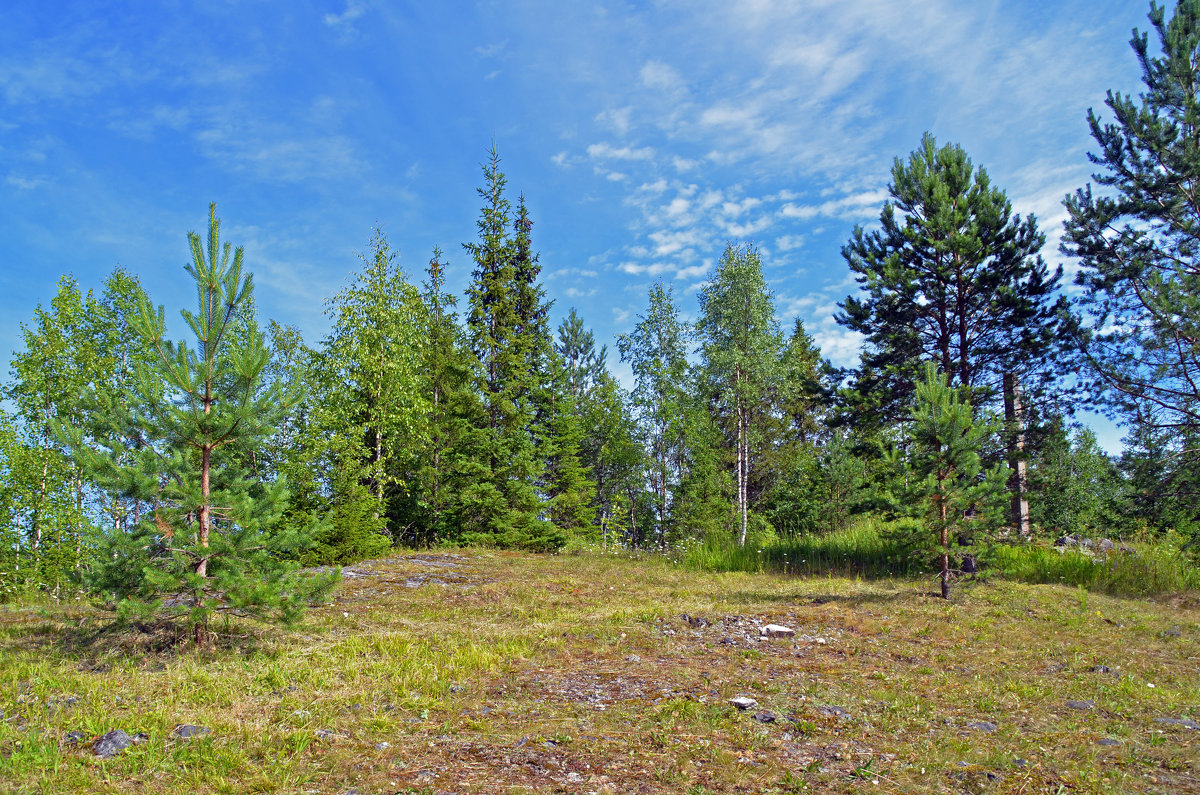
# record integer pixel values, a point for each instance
(764, 717)
(833, 711)
(1105, 545)
(1021, 763)
(382, 746)
(1108, 741)
(1067, 541)
(983, 726)
(743, 703)
(73, 738)
(140, 738)
(112, 744)
(1100, 669)
(1183, 722)
(777, 631)
(633, 658)
(184, 731)
(1081, 704)
(325, 734)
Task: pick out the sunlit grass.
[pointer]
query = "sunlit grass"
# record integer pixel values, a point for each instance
(579, 673)
(865, 550)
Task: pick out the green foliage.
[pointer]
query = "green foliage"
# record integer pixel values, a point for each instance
(211, 541)
(952, 276)
(741, 348)
(1079, 490)
(372, 406)
(1146, 570)
(508, 331)
(1137, 242)
(656, 351)
(961, 501)
(613, 455)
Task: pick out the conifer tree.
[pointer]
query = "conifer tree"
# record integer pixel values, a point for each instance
(445, 464)
(954, 277)
(577, 346)
(508, 332)
(208, 545)
(1138, 317)
(959, 497)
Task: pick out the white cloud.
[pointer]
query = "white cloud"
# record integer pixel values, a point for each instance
(605, 151)
(492, 50)
(789, 242)
(658, 75)
(343, 23)
(617, 119)
(859, 205)
(24, 183)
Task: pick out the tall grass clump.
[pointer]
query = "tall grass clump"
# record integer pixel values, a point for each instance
(1147, 570)
(863, 549)
(872, 547)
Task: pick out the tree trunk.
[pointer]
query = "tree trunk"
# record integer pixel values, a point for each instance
(942, 516)
(1018, 484)
(205, 517)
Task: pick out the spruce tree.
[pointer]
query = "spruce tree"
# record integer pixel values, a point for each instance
(446, 464)
(508, 332)
(210, 543)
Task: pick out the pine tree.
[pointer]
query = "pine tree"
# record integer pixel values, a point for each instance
(954, 277)
(577, 346)
(1138, 318)
(960, 498)
(741, 348)
(207, 546)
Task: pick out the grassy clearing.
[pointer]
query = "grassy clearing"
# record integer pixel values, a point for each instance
(580, 673)
(864, 550)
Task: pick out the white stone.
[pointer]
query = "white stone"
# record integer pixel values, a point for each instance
(743, 703)
(778, 631)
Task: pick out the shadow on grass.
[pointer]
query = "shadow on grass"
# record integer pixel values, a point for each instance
(93, 641)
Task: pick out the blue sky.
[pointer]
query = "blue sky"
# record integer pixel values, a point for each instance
(644, 136)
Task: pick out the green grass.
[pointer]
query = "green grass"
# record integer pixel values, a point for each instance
(579, 673)
(864, 550)
(1149, 570)
(860, 550)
